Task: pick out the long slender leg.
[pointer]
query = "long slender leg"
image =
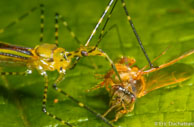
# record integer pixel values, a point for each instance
(18, 20)
(69, 29)
(56, 29)
(135, 32)
(80, 104)
(99, 22)
(41, 22)
(161, 54)
(3, 74)
(16, 73)
(44, 101)
(102, 31)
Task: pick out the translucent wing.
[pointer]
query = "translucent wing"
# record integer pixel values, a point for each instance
(168, 76)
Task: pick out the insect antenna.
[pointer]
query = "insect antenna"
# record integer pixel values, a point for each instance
(18, 19)
(69, 29)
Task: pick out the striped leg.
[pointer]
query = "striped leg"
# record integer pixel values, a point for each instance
(135, 32)
(80, 104)
(3, 74)
(15, 73)
(44, 101)
(41, 22)
(69, 29)
(102, 31)
(17, 20)
(99, 22)
(56, 29)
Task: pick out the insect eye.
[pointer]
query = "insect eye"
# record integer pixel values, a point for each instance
(84, 53)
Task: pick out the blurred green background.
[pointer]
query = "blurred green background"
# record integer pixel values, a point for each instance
(159, 24)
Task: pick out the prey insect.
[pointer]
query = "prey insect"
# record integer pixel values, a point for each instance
(50, 57)
(135, 84)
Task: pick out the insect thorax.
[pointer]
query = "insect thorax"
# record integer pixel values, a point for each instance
(49, 57)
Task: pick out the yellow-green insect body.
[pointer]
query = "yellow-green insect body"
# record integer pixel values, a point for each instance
(49, 57)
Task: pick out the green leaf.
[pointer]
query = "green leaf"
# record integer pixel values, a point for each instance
(160, 24)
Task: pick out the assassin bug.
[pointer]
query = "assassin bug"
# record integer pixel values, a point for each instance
(49, 57)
